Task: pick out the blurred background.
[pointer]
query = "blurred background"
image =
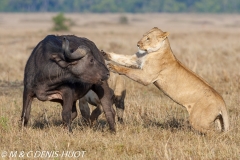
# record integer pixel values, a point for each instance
(116, 6)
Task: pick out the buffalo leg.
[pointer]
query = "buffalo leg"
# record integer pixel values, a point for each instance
(84, 109)
(95, 114)
(105, 95)
(74, 111)
(67, 110)
(27, 101)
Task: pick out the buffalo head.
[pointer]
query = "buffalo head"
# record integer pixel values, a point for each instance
(82, 64)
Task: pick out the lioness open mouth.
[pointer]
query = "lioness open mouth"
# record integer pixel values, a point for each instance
(141, 51)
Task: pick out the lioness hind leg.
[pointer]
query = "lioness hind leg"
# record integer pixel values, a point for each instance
(202, 126)
(203, 117)
(202, 121)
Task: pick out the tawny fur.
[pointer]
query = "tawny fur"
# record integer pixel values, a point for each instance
(156, 64)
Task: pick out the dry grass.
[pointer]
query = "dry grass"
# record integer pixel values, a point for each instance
(155, 127)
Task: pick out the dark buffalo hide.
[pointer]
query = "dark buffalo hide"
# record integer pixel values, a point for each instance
(63, 69)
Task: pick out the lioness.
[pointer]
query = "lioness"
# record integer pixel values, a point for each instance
(155, 63)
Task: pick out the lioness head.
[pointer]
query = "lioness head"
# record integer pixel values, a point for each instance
(151, 41)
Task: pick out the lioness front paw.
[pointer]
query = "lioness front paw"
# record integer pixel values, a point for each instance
(106, 56)
(112, 67)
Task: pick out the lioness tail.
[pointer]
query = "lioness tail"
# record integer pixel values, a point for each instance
(225, 119)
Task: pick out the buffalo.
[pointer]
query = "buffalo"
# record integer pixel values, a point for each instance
(63, 69)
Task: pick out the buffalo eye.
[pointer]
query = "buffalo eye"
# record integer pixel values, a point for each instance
(91, 60)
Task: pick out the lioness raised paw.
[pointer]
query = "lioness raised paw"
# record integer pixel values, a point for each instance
(118, 69)
(105, 55)
(112, 67)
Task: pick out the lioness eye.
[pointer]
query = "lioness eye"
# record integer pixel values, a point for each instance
(148, 39)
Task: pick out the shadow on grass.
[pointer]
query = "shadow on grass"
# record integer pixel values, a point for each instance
(79, 123)
(171, 124)
(99, 125)
(41, 124)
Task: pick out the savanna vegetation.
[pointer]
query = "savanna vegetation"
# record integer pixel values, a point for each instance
(155, 127)
(131, 6)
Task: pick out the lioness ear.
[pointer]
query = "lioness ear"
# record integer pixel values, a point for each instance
(164, 35)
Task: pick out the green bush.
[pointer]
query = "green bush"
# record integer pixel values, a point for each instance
(123, 20)
(60, 23)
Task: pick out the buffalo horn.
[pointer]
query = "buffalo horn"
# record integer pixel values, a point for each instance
(79, 53)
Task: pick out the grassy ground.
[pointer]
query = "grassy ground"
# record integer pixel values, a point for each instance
(155, 127)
